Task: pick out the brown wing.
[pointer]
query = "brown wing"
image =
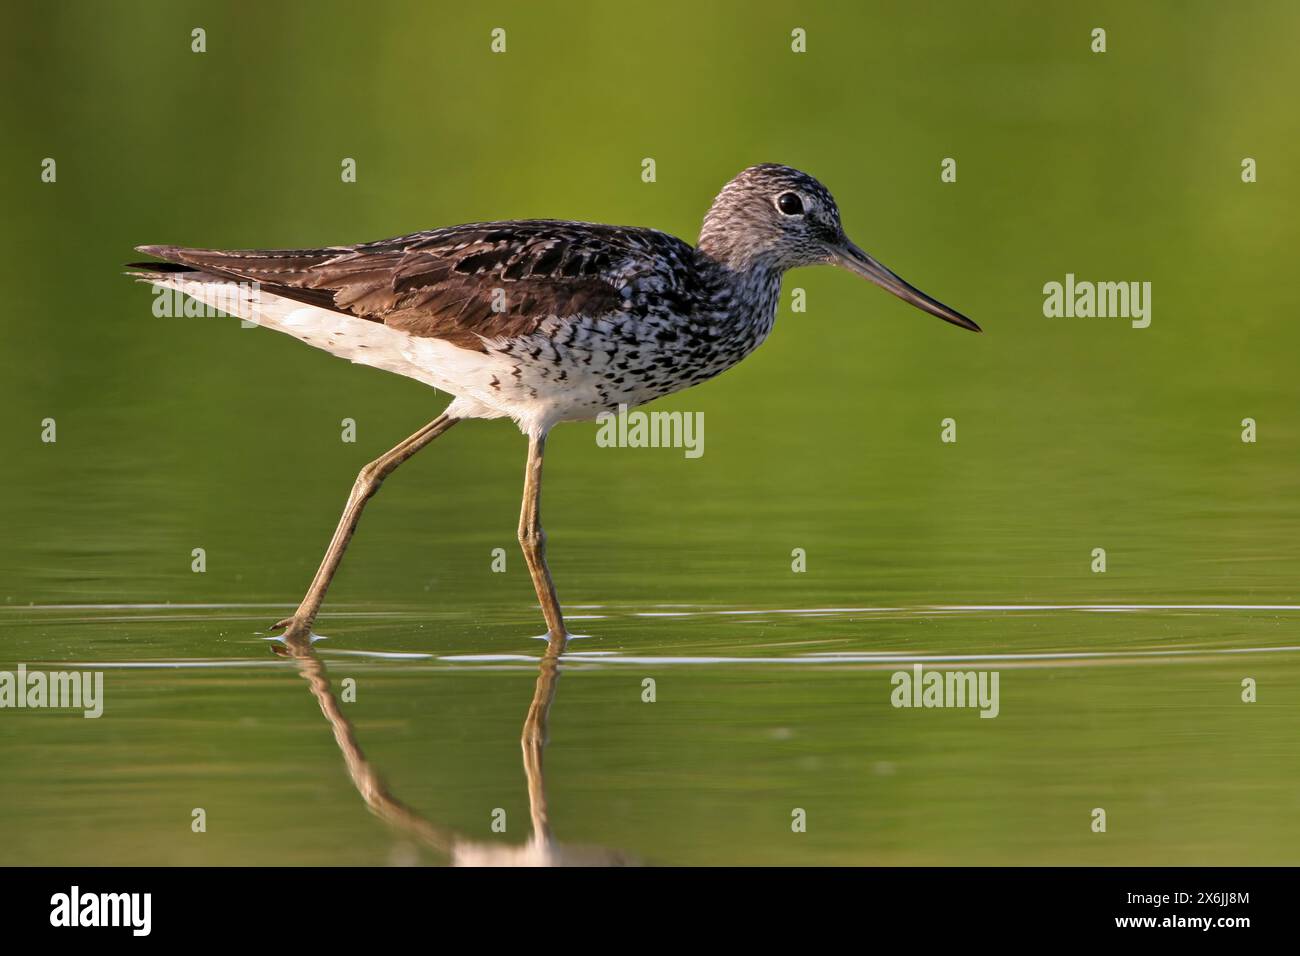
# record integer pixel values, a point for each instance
(462, 284)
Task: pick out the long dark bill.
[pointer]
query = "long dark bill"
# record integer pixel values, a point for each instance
(855, 260)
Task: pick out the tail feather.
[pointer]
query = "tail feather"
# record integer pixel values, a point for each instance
(160, 267)
(170, 255)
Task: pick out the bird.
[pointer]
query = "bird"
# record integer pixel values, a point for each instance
(540, 321)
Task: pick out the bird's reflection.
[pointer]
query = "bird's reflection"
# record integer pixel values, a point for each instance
(540, 850)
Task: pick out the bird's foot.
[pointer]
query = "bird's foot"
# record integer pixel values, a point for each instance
(294, 627)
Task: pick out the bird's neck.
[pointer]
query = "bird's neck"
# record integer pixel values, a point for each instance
(748, 272)
(731, 248)
(745, 296)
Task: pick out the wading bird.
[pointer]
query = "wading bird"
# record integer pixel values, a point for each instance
(540, 321)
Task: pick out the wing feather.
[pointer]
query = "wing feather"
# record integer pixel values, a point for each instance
(443, 283)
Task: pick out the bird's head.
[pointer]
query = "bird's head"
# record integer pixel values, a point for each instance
(776, 217)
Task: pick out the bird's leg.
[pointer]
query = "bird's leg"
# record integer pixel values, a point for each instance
(367, 483)
(533, 539)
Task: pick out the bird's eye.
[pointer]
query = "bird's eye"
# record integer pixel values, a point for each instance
(789, 204)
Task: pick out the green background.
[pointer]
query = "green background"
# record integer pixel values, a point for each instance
(1073, 434)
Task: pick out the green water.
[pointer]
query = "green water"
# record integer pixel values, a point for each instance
(1119, 690)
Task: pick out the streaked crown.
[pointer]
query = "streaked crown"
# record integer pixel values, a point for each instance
(774, 216)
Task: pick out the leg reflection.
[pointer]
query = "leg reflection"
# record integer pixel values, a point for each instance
(365, 777)
(533, 739)
(540, 850)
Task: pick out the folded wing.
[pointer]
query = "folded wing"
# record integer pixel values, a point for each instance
(463, 284)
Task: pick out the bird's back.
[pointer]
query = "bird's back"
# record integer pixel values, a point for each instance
(538, 320)
(469, 283)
